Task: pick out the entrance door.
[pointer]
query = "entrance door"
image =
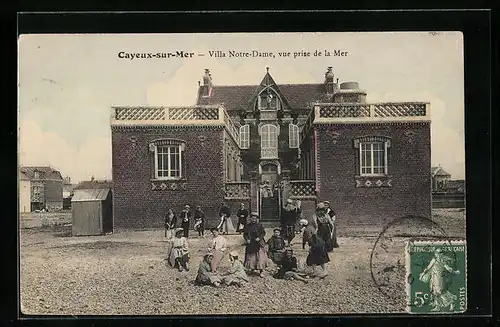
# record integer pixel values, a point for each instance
(270, 193)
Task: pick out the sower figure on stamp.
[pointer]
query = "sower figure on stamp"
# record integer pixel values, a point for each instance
(324, 225)
(435, 274)
(179, 251)
(276, 246)
(333, 216)
(170, 222)
(288, 219)
(242, 218)
(199, 221)
(226, 225)
(185, 219)
(255, 250)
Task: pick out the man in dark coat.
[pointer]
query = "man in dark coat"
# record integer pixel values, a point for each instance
(242, 218)
(185, 219)
(333, 216)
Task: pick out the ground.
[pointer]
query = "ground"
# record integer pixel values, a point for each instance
(125, 274)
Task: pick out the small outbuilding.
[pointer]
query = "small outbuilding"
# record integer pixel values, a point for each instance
(92, 212)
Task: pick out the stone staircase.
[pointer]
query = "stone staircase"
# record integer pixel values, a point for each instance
(269, 212)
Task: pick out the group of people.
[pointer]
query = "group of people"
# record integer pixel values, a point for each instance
(225, 224)
(318, 235)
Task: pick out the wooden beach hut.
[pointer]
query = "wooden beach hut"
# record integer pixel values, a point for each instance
(92, 212)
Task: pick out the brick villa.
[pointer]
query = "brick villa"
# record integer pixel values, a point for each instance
(260, 144)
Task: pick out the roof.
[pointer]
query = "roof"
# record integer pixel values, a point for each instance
(455, 184)
(90, 195)
(438, 171)
(23, 176)
(47, 172)
(235, 97)
(95, 184)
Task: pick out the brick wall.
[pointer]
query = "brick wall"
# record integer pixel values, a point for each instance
(136, 204)
(408, 163)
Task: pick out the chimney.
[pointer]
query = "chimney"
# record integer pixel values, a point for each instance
(329, 84)
(207, 83)
(92, 178)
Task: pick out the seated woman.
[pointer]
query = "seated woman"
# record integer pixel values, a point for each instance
(276, 246)
(289, 269)
(179, 251)
(236, 274)
(205, 275)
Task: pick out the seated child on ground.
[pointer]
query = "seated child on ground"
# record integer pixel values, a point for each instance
(236, 274)
(205, 275)
(288, 268)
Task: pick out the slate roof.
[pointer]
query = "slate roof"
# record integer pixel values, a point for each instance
(240, 96)
(438, 171)
(90, 195)
(46, 172)
(95, 184)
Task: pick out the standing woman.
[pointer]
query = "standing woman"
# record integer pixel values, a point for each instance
(242, 218)
(199, 221)
(324, 226)
(226, 225)
(288, 221)
(318, 255)
(185, 218)
(255, 251)
(170, 222)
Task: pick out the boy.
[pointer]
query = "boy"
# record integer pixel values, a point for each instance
(276, 246)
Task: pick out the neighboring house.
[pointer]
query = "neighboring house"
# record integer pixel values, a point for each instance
(455, 186)
(46, 187)
(261, 144)
(24, 193)
(67, 192)
(93, 184)
(439, 178)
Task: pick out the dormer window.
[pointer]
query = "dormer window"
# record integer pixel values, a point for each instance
(268, 100)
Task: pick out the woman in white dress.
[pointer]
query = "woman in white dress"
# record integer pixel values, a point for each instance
(179, 251)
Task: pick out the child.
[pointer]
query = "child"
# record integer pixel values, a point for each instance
(218, 246)
(236, 274)
(199, 221)
(179, 251)
(276, 246)
(205, 276)
(288, 268)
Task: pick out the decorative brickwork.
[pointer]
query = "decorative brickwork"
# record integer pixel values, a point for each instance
(237, 190)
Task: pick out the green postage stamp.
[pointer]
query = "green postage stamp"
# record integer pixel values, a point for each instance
(436, 274)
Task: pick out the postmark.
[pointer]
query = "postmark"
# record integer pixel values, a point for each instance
(436, 276)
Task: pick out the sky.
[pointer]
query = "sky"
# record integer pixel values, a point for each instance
(68, 83)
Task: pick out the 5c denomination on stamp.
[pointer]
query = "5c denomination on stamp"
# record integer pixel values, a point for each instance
(436, 276)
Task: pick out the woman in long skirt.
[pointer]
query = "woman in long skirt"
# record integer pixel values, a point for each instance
(225, 225)
(255, 250)
(324, 226)
(170, 222)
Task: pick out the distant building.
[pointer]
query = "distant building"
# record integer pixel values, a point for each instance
(439, 178)
(67, 193)
(46, 187)
(455, 186)
(24, 193)
(93, 184)
(261, 144)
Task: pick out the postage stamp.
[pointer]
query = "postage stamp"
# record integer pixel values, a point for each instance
(436, 276)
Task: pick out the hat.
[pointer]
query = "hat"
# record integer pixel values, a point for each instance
(277, 229)
(208, 254)
(187, 206)
(303, 222)
(178, 230)
(233, 254)
(254, 214)
(320, 205)
(289, 201)
(326, 202)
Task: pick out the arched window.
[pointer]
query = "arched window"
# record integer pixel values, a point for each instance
(269, 141)
(293, 136)
(245, 136)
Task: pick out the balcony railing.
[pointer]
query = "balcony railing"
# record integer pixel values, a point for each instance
(303, 188)
(193, 115)
(237, 190)
(271, 153)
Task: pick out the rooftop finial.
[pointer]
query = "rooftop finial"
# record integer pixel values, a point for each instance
(267, 69)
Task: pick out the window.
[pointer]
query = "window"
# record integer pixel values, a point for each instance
(293, 136)
(245, 137)
(168, 158)
(269, 137)
(373, 161)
